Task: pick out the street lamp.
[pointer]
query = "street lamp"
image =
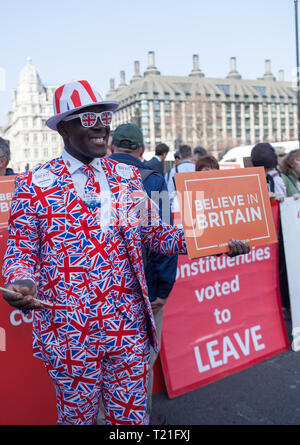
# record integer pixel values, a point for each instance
(297, 60)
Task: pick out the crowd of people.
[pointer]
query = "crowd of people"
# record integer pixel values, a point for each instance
(109, 285)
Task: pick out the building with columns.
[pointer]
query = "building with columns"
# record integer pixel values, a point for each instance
(31, 141)
(213, 112)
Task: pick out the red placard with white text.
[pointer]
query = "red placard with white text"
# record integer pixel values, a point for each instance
(223, 315)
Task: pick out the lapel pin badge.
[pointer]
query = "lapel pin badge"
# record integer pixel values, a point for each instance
(125, 171)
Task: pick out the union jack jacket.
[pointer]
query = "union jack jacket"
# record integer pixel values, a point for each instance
(53, 238)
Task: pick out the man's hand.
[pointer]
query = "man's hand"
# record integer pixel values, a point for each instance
(157, 304)
(25, 292)
(274, 197)
(237, 248)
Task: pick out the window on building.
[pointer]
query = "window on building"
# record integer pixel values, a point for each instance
(260, 90)
(248, 135)
(145, 119)
(238, 121)
(228, 118)
(145, 130)
(224, 88)
(167, 105)
(144, 105)
(156, 105)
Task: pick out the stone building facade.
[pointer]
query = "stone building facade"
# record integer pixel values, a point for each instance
(31, 141)
(197, 110)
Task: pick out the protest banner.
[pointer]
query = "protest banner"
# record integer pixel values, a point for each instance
(6, 192)
(27, 393)
(219, 205)
(223, 315)
(290, 221)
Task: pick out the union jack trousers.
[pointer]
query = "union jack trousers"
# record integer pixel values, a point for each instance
(96, 338)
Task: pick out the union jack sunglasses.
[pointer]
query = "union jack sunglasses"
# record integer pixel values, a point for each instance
(89, 118)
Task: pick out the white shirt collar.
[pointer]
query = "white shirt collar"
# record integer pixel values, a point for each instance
(74, 164)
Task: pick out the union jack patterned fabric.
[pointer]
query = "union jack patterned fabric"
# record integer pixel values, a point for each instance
(73, 95)
(91, 189)
(96, 337)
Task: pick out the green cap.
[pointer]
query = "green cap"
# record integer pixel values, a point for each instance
(128, 136)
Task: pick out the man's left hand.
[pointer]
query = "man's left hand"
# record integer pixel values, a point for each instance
(238, 248)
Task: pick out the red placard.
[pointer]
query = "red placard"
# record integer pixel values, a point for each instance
(27, 393)
(223, 315)
(6, 191)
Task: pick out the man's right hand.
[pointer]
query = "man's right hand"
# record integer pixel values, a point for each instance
(26, 291)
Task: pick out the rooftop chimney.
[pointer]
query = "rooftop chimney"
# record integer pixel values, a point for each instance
(122, 79)
(233, 74)
(137, 74)
(268, 75)
(281, 75)
(151, 69)
(196, 71)
(112, 89)
(112, 84)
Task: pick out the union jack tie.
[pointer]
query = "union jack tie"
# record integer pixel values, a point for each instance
(91, 188)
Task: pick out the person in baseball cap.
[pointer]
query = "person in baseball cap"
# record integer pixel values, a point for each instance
(128, 136)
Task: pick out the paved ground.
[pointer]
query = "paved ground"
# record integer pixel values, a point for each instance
(267, 393)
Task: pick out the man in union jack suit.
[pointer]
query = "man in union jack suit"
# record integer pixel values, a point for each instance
(76, 232)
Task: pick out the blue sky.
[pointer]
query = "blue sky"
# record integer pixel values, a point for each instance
(71, 39)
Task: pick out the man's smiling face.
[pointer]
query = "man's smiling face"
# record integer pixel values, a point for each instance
(84, 143)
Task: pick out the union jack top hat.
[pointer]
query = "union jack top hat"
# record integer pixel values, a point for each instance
(75, 96)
